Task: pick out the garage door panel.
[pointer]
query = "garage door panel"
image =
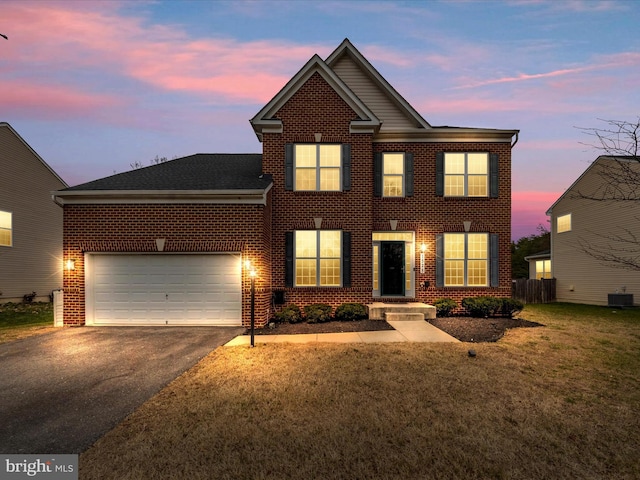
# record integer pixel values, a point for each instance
(165, 289)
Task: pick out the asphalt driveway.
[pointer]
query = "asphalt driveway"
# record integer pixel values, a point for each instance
(61, 391)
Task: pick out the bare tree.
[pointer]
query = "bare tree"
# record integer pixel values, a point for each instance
(619, 173)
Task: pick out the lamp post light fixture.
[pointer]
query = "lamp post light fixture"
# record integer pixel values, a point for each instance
(252, 274)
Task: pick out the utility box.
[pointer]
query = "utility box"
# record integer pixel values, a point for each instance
(58, 308)
(620, 299)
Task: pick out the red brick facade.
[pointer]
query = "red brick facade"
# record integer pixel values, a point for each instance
(202, 228)
(316, 108)
(258, 232)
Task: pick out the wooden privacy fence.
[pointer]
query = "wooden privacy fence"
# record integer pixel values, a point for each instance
(530, 290)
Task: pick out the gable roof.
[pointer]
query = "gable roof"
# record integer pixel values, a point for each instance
(202, 177)
(32, 151)
(597, 162)
(416, 129)
(346, 49)
(265, 122)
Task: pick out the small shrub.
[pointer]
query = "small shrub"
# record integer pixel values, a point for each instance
(444, 306)
(348, 312)
(318, 312)
(289, 314)
(511, 307)
(482, 307)
(28, 298)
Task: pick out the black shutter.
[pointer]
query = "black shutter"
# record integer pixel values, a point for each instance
(440, 260)
(346, 167)
(408, 174)
(288, 166)
(494, 260)
(493, 175)
(288, 273)
(346, 259)
(440, 174)
(377, 174)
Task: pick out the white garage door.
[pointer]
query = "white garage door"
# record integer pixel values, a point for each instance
(163, 289)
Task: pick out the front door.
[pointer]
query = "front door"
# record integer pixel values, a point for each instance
(392, 268)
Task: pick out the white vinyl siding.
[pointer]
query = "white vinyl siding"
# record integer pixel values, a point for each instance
(33, 262)
(580, 278)
(369, 92)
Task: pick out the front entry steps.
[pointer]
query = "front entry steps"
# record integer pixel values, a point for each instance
(401, 311)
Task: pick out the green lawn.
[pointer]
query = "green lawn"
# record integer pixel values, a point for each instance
(559, 401)
(18, 320)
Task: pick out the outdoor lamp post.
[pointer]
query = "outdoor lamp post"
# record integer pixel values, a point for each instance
(252, 274)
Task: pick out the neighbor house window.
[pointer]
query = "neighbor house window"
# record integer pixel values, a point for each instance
(317, 167)
(392, 174)
(466, 259)
(317, 258)
(543, 269)
(466, 174)
(564, 223)
(5, 229)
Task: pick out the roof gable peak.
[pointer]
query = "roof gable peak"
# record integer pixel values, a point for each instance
(265, 122)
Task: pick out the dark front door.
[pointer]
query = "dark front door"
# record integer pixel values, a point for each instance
(392, 268)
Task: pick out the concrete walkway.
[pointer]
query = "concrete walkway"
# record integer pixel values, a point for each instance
(405, 331)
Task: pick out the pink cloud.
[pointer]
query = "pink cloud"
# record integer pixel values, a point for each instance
(54, 37)
(51, 101)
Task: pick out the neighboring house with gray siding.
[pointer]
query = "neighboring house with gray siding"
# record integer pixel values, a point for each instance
(30, 222)
(584, 232)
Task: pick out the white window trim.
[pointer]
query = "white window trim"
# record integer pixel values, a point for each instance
(466, 260)
(402, 175)
(409, 248)
(317, 260)
(317, 168)
(10, 229)
(466, 176)
(559, 217)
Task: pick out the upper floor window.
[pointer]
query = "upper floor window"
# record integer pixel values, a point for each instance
(564, 223)
(317, 167)
(5, 229)
(393, 174)
(467, 174)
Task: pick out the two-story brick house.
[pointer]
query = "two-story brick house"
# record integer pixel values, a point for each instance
(355, 198)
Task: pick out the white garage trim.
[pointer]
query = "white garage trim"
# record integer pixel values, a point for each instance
(163, 289)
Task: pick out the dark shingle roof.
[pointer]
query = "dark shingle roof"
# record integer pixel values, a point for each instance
(202, 171)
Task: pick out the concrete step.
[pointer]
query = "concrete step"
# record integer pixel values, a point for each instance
(393, 316)
(378, 310)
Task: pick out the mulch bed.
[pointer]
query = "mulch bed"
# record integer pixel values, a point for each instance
(465, 329)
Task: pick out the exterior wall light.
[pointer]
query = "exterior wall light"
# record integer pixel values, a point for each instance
(70, 264)
(423, 249)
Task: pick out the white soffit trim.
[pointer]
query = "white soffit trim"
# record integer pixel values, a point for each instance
(253, 197)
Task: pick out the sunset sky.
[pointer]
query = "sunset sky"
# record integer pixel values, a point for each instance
(94, 87)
